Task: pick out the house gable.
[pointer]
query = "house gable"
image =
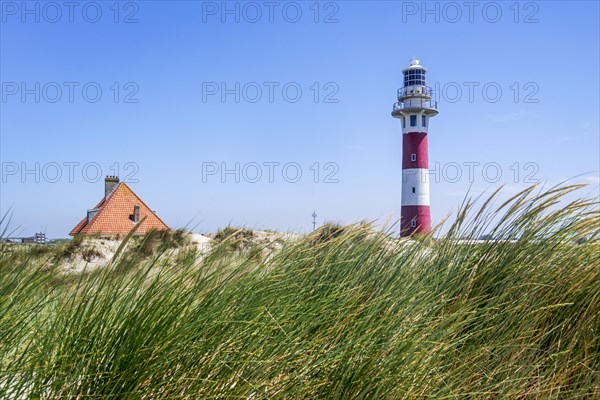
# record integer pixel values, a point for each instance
(116, 215)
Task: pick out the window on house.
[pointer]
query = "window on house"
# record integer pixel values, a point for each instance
(413, 157)
(91, 214)
(413, 120)
(413, 223)
(423, 120)
(135, 217)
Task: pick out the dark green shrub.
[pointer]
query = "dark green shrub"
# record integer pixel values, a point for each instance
(235, 239)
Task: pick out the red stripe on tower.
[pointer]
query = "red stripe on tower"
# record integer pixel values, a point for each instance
(414, 143)
(414, 108)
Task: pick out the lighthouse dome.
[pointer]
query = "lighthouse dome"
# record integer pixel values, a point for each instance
(415, 64)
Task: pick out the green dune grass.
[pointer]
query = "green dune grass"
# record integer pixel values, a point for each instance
(349, 315)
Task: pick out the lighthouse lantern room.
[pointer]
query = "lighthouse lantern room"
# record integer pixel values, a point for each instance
(414, 109)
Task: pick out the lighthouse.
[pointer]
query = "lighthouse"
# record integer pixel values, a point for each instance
(414, 109)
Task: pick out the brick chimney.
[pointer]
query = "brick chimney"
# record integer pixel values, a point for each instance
(110, 184)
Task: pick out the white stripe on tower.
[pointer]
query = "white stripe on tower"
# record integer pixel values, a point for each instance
(417, 179)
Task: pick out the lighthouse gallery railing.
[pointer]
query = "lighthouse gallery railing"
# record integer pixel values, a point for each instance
(415, 104)
(414, 91)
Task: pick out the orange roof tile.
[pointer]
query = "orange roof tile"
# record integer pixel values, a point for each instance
(114, 215)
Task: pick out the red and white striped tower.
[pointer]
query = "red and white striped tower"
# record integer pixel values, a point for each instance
(414, 108)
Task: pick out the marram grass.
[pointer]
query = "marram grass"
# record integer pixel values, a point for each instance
(355, 315)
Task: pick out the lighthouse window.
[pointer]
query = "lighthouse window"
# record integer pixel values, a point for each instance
(413, 223)
(413, 157)
(413, 120)
(403, 122)
(414, 77)
(423, 120)
(413, 190)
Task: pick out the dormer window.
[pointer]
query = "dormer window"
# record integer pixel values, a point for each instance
(91, 214)
(135, 217)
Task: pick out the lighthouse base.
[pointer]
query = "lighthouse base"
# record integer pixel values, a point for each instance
(415, 219)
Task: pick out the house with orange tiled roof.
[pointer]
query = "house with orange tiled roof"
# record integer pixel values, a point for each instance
(118, 212)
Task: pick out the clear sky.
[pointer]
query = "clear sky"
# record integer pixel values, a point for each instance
(173, 92)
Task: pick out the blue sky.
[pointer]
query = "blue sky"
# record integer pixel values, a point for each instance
(532, 115)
